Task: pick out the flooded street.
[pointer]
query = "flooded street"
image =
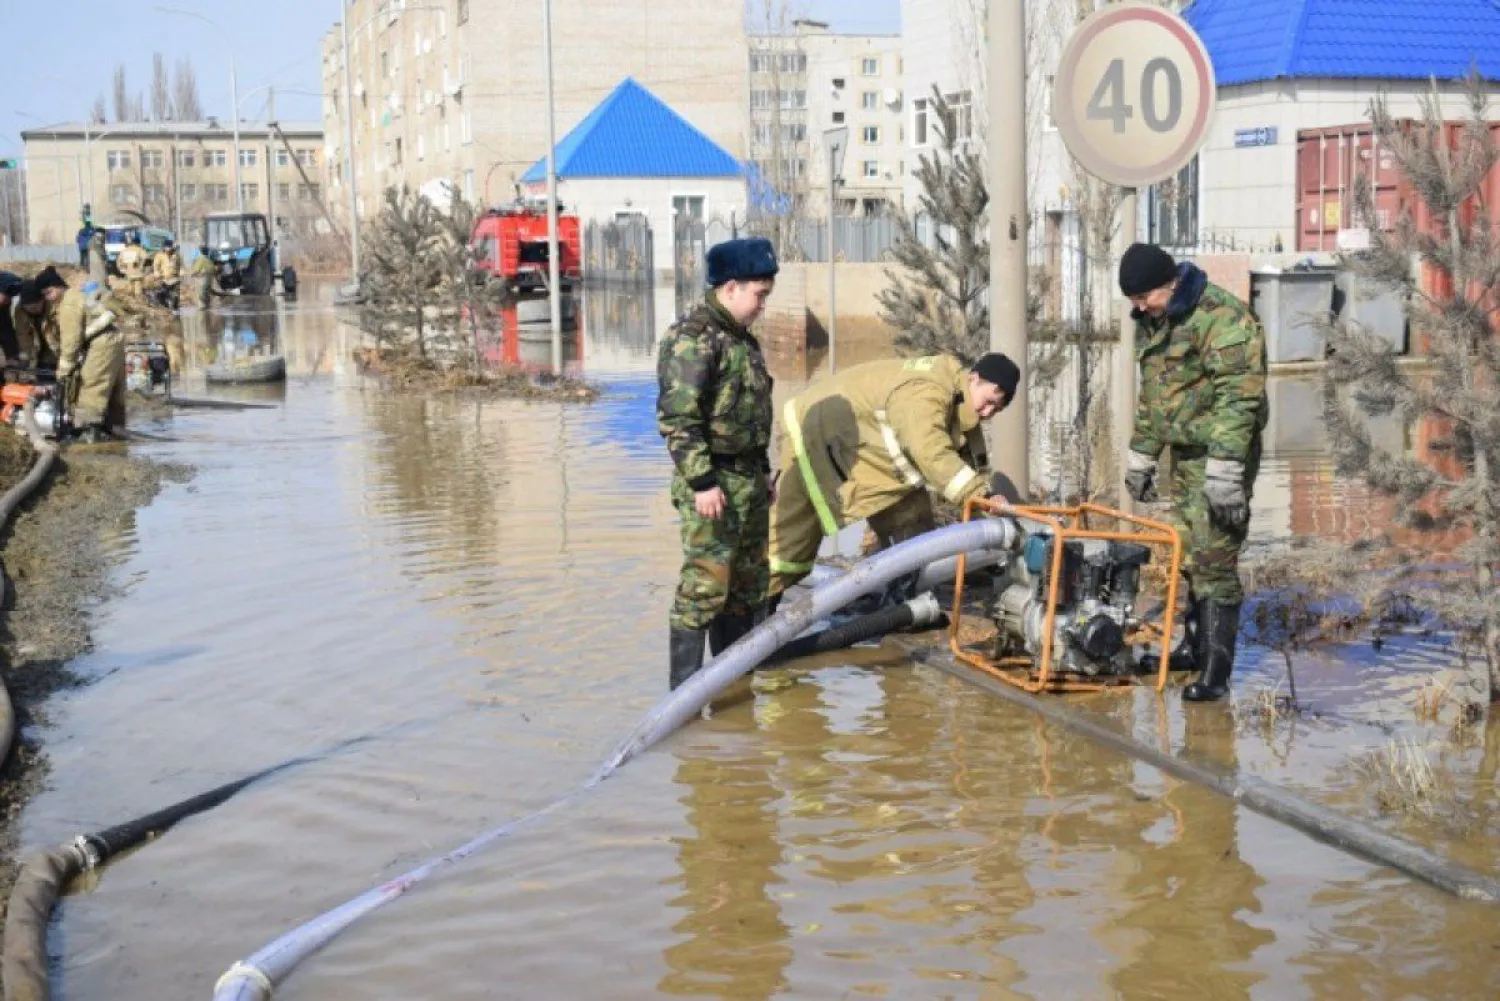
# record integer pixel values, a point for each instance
(459, 607)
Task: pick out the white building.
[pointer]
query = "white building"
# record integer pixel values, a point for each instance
(1313, 64)
(811, 79)
(634, 157)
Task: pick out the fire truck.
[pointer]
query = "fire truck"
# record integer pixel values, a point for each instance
(511, 241)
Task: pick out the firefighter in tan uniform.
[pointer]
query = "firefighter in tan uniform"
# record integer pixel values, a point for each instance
(869, 443)
(90, 352)
(36, 323)
(167, 267)
(133, 264)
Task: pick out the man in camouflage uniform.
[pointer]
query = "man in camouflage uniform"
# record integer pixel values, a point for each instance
(714, 410)
(1203, 394)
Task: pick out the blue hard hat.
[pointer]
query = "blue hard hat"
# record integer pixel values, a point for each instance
(741, 260)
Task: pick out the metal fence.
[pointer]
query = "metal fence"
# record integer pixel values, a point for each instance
(860, 239)
(622, 251)
(1070, 419)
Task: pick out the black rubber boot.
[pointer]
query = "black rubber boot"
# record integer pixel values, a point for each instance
(1184, 657)
(1218, 632)
(686, 655)
(726, 629)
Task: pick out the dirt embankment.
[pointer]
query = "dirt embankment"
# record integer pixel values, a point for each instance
(508, 382)
(57, 553)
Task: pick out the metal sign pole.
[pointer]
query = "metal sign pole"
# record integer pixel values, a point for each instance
(837, 141)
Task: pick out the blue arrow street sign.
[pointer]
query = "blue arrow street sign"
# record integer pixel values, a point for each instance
(1265, 135)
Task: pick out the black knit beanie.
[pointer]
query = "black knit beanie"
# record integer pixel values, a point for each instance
(1000, 370)
(1144, 268)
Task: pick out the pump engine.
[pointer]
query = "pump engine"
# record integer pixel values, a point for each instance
(1096, 595)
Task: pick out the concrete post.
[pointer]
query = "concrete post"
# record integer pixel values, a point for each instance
(1009, 446)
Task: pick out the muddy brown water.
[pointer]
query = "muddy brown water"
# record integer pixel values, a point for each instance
(478, 591)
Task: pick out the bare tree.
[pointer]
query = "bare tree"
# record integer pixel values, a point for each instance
(121, 93)
(186, 103)
(99, 113)
(1454, 309)
(161, 93)
(777, 148)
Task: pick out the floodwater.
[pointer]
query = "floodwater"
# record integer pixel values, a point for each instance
(458, 607)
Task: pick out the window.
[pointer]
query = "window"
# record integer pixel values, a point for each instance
(309, 192)
(118, 159)
(153, 159)
(872, 169)
(463, 11)
(187, 192)
(870, 66)
(284, 192)
(961, 107)
(248, 157)
(156, 194)
(187, 158)
(758, 62)
(121, 194)
(687, 208)
(869, 100)
(283, 159)
(793, 100)
(838, 118)
(919, 122)
(1174, 209)
(838, 83)
(307, 157)
(249, 192)
(870, 135)
(215, 158)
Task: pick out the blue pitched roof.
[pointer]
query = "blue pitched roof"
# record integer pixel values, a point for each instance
(633, 133)
(1253, 40)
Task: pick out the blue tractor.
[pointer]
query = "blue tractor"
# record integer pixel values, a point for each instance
(244, 258)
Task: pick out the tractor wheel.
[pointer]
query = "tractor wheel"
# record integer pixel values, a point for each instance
(289, 282)
(257, 279)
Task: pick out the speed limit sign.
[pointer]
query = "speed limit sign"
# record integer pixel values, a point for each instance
(1135, 92)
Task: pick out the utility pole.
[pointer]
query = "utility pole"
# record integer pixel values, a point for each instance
(1123, 387)
(833, 257)
(1009, 444)
(554, 286)
(349, 168)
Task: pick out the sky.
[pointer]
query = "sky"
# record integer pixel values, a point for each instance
(274, 42)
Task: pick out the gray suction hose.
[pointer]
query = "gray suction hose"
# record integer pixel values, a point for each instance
(255, 978)
(935, 574)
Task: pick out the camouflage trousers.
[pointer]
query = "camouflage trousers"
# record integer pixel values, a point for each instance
(1210, 551)
(724, 567)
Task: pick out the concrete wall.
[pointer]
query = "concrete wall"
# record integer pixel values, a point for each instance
(797, 317)
(1251, 194)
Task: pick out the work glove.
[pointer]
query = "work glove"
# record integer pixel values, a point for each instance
(1140, 478)
(1224, 486)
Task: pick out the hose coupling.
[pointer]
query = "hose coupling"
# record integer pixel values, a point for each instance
(88, 856)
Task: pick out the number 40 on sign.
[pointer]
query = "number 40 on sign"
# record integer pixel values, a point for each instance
(1135, 94)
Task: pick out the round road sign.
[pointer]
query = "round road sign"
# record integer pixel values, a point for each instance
(1135, 93)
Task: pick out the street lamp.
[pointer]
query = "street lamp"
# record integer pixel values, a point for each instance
(350, 170)
(234, 96)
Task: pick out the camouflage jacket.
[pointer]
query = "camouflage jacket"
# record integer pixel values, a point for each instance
(714, 395)
(1203, 373)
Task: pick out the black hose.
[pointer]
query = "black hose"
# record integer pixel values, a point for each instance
(46, 874)
(187, 404)
(1267, 799)
(890, 619)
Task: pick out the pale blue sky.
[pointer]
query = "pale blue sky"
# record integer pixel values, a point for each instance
(53, 68)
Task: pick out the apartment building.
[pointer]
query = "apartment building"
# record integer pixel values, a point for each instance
(810, 79)
(174, 173)
(454, 91)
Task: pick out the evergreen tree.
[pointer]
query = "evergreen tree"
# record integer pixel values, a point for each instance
(470, 298)
(1454, 309)
(936, 300)
(399, 274)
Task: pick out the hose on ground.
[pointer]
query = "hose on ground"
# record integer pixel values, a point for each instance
(46, 874)
(918, 613)
(41, 466)
(1266, 798)
(255, 978)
